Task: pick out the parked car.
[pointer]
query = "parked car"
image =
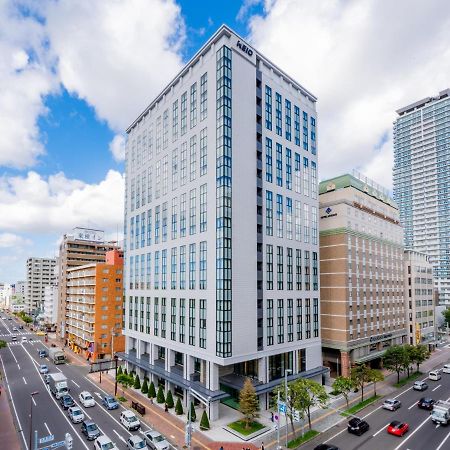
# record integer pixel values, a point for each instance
(434, 375)
(397, 428)
(129, 420)
(155, 440)
(326, 447)
(420, 385)
(426, 403)
(66, 401)
(43, 369)
(357, 426)
(90, 429)
(76, 414)
(104, 443)
(109, 402)
(86, 399)
(136, 443)
(392, 404)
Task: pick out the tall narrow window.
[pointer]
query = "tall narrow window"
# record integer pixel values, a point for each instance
(192, 266)
(288, 168)
(163, 317)
(203, 206)
(157, 223)
(183, 164)
(156, 316)
(280, 270)
(278, 114)
(132, 233)
(183, 215)
(183, 267)
(299, 319)
(158, 179)
(308, 317)
(305, 222)
(288, 218)
(203, 264)
(149, 184)
(268, 160)
(174, 168)
(297, 174)
(313, 136)
(288, 116)
(269, 267)
(297, 125)
(290, 319)
(183, 113)
(269, 321)
(269, 213)
(313, 180)
(203, 151)
(313, 225)
(193, 158)
(279, 215)
(279, 165)
(164, 222)
(280, 321)
(181, 320)
(290, 267)
(315, 272)
(298, 220)
(202, 324)
(305, 131)
(174, 120)
(298, 269)
(164, 269)
(149, 271)
(137, 240)
(204, 96)
(165, 128)
(192, 212)
(307, 273)
(173, 319)
(158, 135)
(156, 277)
(268, 98)
(315, 317)
(192, 321)
(174, 218)
(173, 267)
(193, 105)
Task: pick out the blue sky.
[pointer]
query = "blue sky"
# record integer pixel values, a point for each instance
(75, 74)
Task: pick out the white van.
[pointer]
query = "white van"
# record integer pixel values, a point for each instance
(446, 368)
(129, 420)
(434, 375)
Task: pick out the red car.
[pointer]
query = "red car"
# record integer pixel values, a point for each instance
(397, 428)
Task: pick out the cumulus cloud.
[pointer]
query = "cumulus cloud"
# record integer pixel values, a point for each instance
(363, 63)
(11, 240)
(117, 54)
(117, 147)
(35, 204)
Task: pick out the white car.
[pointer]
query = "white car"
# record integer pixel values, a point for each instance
(24, 339)
(104, 443)
(129, 420)
(86, 399)
(76, 414)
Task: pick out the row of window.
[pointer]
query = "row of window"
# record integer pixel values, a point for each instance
(304, 133)
(285, 320)
(291, 174)
(306, 269)
(141, 268)
(167, 318)
(141, 147)
(147, 186)
(289, 218)
(145, 226)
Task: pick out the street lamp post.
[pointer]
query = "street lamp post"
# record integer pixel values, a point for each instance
(286, 400)
(32, 394)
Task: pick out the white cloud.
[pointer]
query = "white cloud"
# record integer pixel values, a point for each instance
(363, 59)
(117, 147)
(34, 204)
(117, 54)
(10, 240)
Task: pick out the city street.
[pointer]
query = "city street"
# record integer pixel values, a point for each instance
(20, 366)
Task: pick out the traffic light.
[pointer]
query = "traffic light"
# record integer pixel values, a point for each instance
(68, 441)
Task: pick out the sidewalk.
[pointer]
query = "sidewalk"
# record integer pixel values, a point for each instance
(9, 436)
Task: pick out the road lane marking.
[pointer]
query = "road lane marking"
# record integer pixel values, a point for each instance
(438, 425)
(14, 405)
(412, 406)
(413, 433)
(381, 429)
(437, 387)
(14, 356)
(25, 381)
(48, 429)
(119, 436)
(443, 442)
(33, 400)
(82, 409)
(98, 395)
(18, 366)
(76, 384)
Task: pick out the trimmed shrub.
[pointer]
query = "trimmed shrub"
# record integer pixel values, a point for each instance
(204, 422)
(192, 414)
(179, 407)
(160, 396)
(137, 382)
(119, 370)
(169, 399)
(125, 371)
(144, 388)
(152, 390)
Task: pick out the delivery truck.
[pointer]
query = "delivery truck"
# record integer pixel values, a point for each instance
(57, 355)
(441, 412)
(57, 383)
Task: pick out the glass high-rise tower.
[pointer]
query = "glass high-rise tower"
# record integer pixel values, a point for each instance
(421, 181)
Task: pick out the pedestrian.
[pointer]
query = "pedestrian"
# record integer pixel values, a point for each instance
(221, 448)
(151, 400)
(262, 445)
(166, 408)
(271, 416)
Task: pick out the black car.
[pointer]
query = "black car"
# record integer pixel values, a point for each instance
(66, 401)
(357, 426)
(426, 403)
(90, 429)
(326, 447)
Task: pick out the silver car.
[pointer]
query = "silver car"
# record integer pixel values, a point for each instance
(391, 404)
(76, 414)
(155, 440)
(136, 443)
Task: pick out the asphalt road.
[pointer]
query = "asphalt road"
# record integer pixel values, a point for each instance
(422, 435)
(20, 363)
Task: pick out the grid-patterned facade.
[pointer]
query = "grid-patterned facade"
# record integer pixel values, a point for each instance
(40, 273)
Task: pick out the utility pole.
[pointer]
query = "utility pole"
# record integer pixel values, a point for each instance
(278, 421)
(286, 400)
(188, 425)
(32, 394)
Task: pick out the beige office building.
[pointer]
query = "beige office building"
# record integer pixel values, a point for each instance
(361, 273)
(79, 247)
(419, 292)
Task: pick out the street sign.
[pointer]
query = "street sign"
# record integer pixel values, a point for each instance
(58, 444)
(46, 439)
(296, 415)
(282, 407)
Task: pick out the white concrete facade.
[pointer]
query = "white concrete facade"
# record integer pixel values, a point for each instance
(40, 273)
(421, 182)
(51, 304)
(221, 238)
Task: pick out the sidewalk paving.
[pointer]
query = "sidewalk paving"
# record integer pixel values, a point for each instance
(9, 435)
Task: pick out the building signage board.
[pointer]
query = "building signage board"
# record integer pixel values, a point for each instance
(380, 337)
(86, 234)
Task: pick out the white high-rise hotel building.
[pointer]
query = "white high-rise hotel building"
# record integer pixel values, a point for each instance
(422, 180)
(221, 230)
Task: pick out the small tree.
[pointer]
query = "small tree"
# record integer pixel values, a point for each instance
(126, 381)
(360, 377)
(375, 375)
(309, 393)
(446, 314)
(3, 344)
(144, 388)
(248, 402)
(169, 399)
(160, 396)
(204, 422)
(119, 371)
(152, 390)
(137, 382)
(344, 385)
(192, 415)
(395, 359)
(418, 355)
(179, 407)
